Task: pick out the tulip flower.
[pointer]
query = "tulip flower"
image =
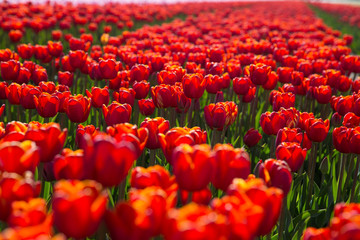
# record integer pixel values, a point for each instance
(317, 129)
(125, 95)
(98, 96)
(48, 137)
(47, 105)
(65, 78)
(192, 166)
(200, 221)
(269, 199)
(108, 161)
(23, 214)
(19, 157)
(194, 85)
(292, 154)
(252, 137)
(108, 69)
(229, 163)
(155, 126)
(16, 187)
(55, 48)
(141, 89)
(152, 176)
(10, 70)
(69, 164)
(25, 51)
(241, 85)
(77, 108)
(139, 72)
(176, 136)
(78, 207)
(221, 114)
(276, 173)
(164, 96)
(116, 113)
(146, 107)
(24, 76)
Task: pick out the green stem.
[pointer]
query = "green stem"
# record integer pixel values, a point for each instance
(341, 175)
(355, 178)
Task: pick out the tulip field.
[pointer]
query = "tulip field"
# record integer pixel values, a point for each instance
(181, 121)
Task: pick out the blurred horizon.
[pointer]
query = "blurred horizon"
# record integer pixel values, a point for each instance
(178, 1)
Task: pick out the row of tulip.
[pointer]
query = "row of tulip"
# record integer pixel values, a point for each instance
(162, 130)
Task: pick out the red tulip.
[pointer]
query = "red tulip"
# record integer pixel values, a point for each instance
(202, 223)
(25, 51)
(271, 123)
(10, 70)
(15, 35)
(241, 85)
(141, 89)
(177, 136)
(276, 173)
(229, 163)
(341, 139)
(194, 85)
(164, 96)
(139, 72)
(108, 69)
(292, 154)
(13, 93)
(78, 207)
(19, 157)
(15, 187)
(65, 78)
(55, 48)
(317, 129)
(47, 105)
(69, 165)
(220, 114)
(155, 126)
(316, 234)
(269, 199)
(116, 113)
(77, 108)
(99, 96)
(192, 166)
(252, 137)
(146, 107)
(48, 137)
(125, 95)
(108, 161)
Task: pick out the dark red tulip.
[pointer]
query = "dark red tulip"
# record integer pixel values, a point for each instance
(276, 173)
(252, 137)
(108, 69)
(146, 107)
(66, 78)
(141, 89)
(10, 70)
